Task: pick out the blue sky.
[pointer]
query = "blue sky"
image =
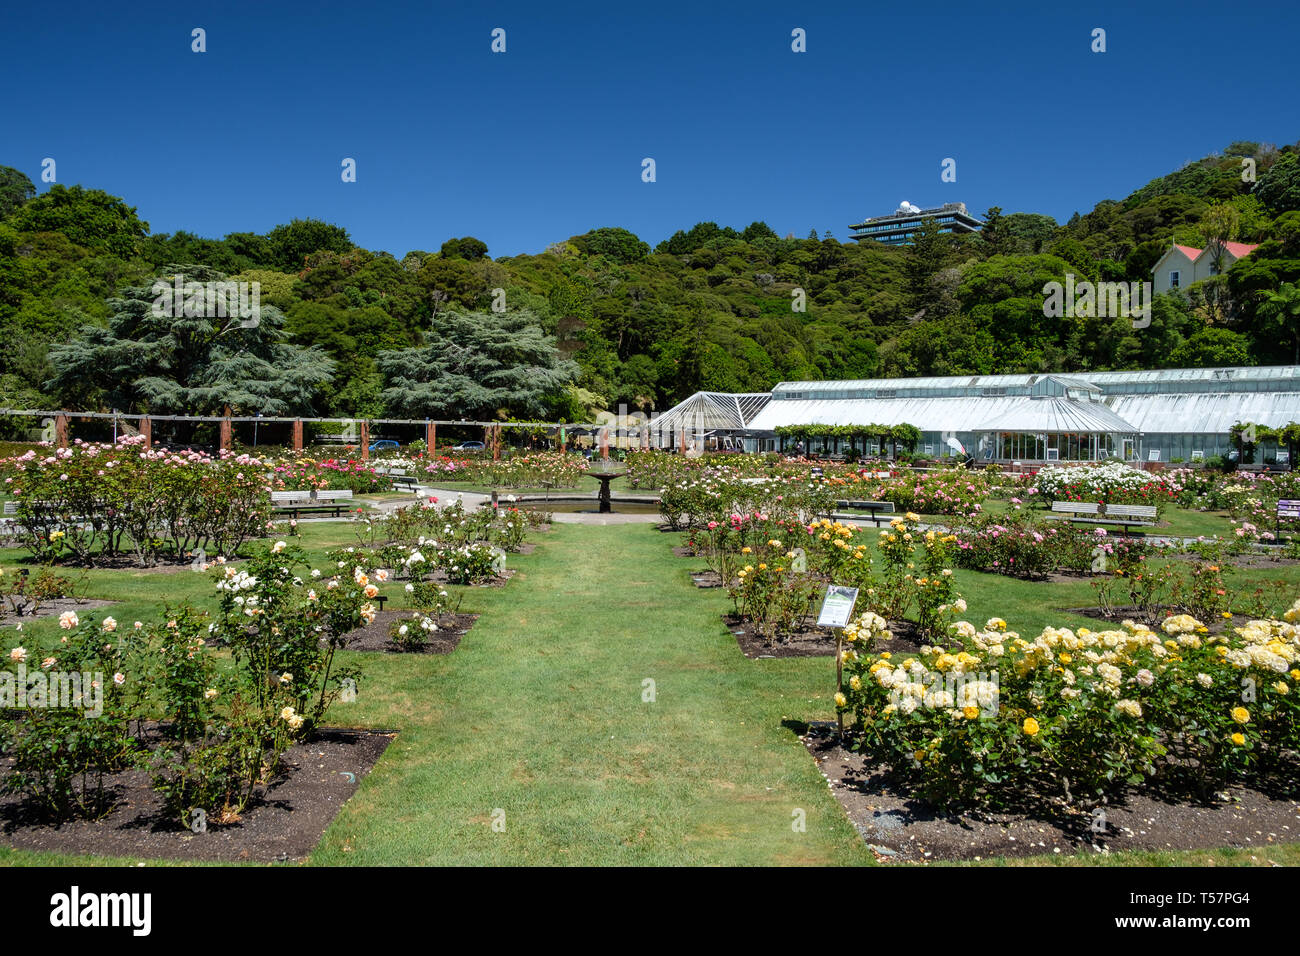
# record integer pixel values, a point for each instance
(546, 140)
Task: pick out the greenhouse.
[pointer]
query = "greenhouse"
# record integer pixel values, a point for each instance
(1167, 415)
(710, 421)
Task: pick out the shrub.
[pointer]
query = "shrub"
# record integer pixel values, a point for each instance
(987, 716)
(65, 724)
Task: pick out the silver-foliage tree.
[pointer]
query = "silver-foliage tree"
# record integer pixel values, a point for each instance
(190, 344)
(477, 365)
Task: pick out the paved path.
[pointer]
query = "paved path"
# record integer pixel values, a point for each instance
(475, 500)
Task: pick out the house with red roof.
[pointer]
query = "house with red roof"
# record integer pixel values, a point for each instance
(1180, 266)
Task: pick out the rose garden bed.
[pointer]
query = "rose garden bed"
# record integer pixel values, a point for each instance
(375, 636)
(809, 640)
(284, 822)
(54, 607)
(900, 826)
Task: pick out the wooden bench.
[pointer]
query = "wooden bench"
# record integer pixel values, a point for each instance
(299, 503)
(1093, 512)
(405, 483)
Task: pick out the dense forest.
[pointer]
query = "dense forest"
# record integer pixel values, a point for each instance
(603, 319)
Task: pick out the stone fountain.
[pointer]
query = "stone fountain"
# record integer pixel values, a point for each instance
(606, 471)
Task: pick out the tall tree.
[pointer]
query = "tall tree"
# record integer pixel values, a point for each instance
(1281, 311)
(931, 251)
(292, 242)
(467, 247)
(15, 189)
(88, 217)
(479, 365)
(167, 355)
(1219, 226)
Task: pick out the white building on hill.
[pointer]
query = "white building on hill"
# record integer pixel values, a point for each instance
(1180, 266)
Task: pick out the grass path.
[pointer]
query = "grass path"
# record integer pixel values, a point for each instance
(539, 713)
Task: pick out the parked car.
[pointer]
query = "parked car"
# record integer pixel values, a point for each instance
(384, 444)
(469, 446)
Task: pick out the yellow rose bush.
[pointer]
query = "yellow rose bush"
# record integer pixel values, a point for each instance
(988, 715)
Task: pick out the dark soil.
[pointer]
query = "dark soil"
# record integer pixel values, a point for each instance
(685, 551)
(493, 582)
(283, 823)
(706, 579)
(54, 607)
(902, 827)
(164, 565)
(374, 636)
(809, 640)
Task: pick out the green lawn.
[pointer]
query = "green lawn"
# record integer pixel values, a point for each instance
(539, 713)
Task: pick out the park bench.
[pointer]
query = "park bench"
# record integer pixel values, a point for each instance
(877, 509)
(298, 503)
(1092, 512)
(11, 509)
(405, 483)
(1286, 508)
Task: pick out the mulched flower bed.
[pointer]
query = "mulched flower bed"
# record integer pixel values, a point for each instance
(900, 827)
(374, 636)
(54, 607)
(284, 823)
(495, 582)
(809, 640)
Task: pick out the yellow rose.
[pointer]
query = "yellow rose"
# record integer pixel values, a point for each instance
(1030, 726)
(841, 700)
(1238, 739)
(970, 713)
(1241, 715)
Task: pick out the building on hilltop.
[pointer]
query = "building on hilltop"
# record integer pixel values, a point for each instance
(897, 229)
(1180, 266)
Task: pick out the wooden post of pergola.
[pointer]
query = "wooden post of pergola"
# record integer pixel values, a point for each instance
(61, 430)
(365, 441)
(297, 434)
(224, 439)
(146, 431)
(430, 437)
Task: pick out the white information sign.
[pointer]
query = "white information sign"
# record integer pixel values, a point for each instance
(838, 606)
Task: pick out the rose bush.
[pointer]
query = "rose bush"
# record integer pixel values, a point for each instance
(985, 715)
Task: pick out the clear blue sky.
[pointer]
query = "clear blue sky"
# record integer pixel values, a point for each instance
(546, 140)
